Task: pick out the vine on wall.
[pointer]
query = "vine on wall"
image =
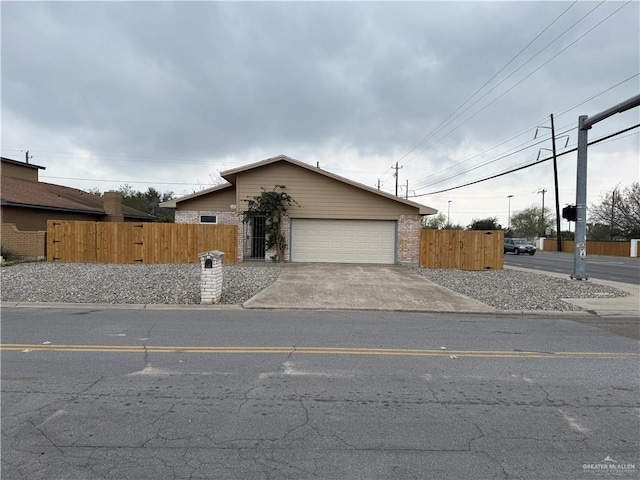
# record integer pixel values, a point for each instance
(273, 205)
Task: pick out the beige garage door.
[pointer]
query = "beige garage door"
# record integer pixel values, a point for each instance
(343, 241)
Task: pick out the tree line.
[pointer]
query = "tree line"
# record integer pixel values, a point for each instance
(616, 217)
(148, 202)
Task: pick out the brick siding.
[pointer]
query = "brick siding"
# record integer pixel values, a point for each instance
(409, 239)
(30, 245)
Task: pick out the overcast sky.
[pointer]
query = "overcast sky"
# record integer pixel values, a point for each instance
(166, 95)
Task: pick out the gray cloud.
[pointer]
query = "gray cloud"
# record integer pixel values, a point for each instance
(215, 80)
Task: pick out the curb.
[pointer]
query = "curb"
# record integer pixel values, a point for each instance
(119, 306)
(139, 306)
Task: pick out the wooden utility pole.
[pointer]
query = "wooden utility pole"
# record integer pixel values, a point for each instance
(543, 191)
(613, 203)
(396, 168)
(555, 179)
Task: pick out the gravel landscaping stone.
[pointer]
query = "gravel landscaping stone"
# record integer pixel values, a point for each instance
(175, 284)
(179, 284)
(518, 290)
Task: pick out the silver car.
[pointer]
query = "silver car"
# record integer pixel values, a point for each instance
(518, 246)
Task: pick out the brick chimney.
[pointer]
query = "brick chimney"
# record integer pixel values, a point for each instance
(113, 206)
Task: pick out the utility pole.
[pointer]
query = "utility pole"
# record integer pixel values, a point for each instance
(555, 174)
(543, 191)
(555, 180)
(509, 197)
(378, 184)
(406, 196)
(613, 202)
(396, 168)
(26, 156)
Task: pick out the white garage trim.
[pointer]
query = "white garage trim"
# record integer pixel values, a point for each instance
(343, 241)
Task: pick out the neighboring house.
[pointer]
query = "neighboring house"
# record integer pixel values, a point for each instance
(337, 220)
(27, 204)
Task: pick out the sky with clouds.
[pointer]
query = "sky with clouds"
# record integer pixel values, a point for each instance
(168, 94)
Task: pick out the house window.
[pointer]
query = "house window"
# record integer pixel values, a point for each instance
(208, 219)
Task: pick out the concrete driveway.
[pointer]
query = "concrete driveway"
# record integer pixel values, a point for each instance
(319, 286)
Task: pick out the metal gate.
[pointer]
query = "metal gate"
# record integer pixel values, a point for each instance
(254, 238)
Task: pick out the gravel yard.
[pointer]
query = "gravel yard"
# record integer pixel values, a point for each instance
(176, 284)
(180, 284)
(518, 290)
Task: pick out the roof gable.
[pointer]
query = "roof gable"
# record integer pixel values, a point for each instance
(217, 188)
(231, 176)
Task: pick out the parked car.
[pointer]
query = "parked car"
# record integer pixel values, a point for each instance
(518, 246)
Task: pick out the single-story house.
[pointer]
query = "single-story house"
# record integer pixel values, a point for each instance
(336, 219)
(26, 204)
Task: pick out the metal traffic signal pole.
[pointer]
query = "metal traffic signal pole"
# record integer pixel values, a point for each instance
(580, 250)
(584, 124)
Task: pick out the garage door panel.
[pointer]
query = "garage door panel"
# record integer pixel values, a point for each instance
(343, 241)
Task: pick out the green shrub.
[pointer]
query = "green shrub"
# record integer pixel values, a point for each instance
(6, 253)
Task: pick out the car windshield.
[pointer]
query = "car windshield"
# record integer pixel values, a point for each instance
(519, 241)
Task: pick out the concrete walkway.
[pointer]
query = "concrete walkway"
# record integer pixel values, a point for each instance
(321, 286)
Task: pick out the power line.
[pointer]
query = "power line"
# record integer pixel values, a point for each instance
(601, 140)
(537, 162)
(519, 82)
(523, 79)
(126, 181)
(501, 156)
(447, 121)
(444, 122)
(582, 102)
(115, 158)
(489, 162)
(528, 129)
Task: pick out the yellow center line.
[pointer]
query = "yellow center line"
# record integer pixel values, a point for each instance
(28, 348)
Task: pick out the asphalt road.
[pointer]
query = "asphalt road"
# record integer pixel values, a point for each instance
(177, 394)
(615, 269)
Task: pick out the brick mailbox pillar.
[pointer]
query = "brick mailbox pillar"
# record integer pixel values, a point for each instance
(211, 277)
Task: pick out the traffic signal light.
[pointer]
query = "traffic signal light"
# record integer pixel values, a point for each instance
(570, 213)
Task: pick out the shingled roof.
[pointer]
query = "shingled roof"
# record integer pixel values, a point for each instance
(18, 192)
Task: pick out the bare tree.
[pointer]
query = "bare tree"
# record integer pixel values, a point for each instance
(620, 210)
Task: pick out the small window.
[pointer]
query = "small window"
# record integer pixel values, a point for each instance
(208, 219)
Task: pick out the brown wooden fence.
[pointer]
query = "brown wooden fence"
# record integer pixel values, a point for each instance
(462, 249)
(131, 242)
(616, 249)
